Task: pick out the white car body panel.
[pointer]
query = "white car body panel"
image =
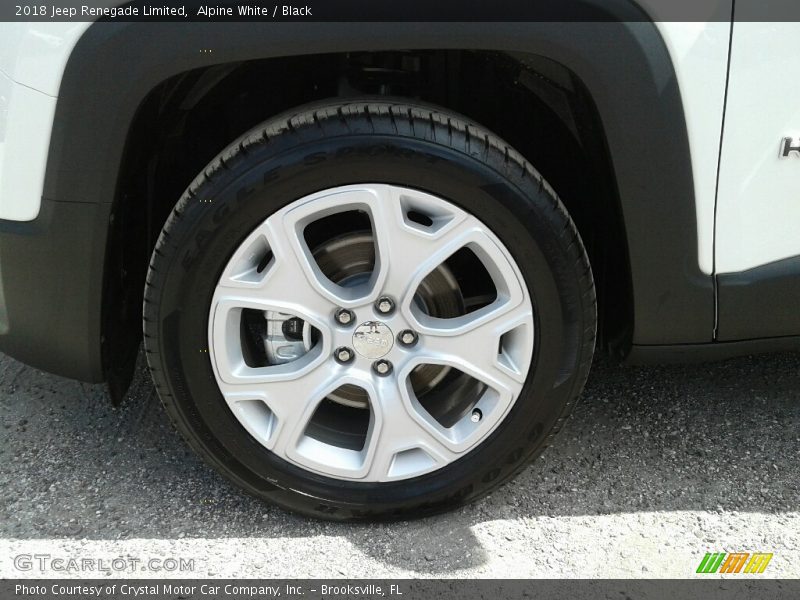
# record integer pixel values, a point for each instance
(758, 210)
(32, 61)
(35, 54)
(26, 120)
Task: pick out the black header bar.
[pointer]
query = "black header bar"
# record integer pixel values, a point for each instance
(398, 11)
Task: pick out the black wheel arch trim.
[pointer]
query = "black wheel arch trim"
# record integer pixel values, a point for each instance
(625, 66)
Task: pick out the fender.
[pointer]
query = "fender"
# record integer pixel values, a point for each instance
(623, 62)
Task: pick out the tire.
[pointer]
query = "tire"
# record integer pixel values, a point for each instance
(392, 157)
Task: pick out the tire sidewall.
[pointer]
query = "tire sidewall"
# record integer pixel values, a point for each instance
(227, 207)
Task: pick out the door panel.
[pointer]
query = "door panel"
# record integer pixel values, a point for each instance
(758, 206)
(757, 248)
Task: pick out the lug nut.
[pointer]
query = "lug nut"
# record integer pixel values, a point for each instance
(344, 316)
(384, 305)
(343, 355)
(476, 416)
(407, 338)
(382, 367)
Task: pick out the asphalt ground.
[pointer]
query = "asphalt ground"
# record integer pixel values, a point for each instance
(657, 466)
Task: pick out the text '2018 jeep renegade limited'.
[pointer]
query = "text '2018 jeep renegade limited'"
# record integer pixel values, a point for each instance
(371, 261)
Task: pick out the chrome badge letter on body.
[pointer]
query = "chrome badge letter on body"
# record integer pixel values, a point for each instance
(790, 145)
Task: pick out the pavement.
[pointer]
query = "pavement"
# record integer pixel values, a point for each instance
(657, 466)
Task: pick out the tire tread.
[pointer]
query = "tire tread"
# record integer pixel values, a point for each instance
(369, 117)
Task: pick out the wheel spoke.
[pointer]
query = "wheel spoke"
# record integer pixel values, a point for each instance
(406, 252)
(471, 344)
(288, 283)
(290, 396)
(400, 431)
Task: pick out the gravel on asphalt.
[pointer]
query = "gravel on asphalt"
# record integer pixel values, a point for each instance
(657, 466)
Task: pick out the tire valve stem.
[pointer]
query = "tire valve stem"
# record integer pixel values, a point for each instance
(476, 416)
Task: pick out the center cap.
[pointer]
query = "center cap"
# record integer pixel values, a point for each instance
(373, 339)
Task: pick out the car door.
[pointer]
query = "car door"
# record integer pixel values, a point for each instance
(757, 241)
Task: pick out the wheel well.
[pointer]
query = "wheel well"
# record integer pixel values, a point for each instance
(541, 108)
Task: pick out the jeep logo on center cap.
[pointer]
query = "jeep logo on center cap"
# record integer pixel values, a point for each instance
(373, 339)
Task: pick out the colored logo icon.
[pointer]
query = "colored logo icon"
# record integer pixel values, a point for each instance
(734, 562)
